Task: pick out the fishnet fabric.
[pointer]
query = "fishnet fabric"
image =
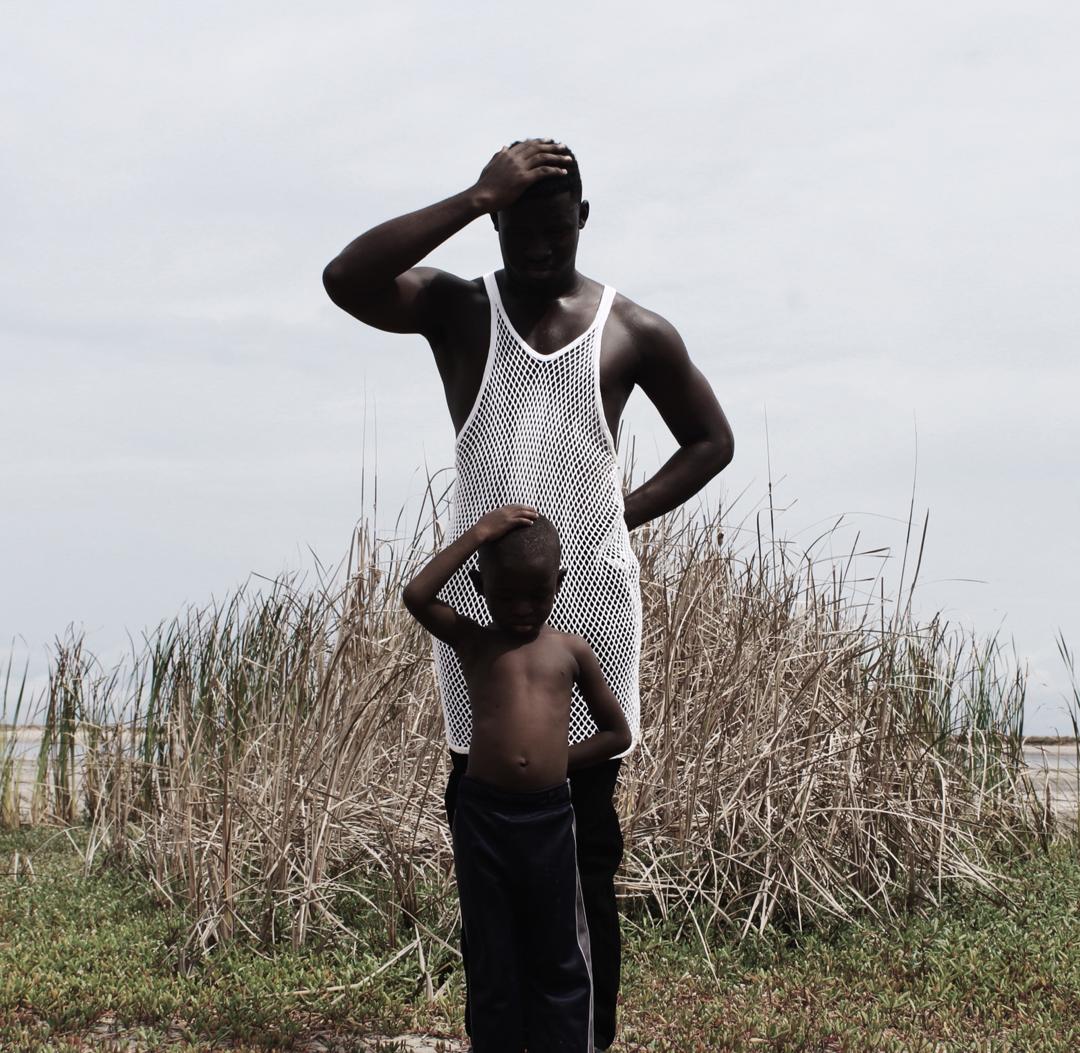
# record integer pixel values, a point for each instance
(537, 435)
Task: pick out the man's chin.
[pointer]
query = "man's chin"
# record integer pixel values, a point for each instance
(540, 278)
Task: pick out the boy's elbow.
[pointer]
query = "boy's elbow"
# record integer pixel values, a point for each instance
(620, 736)
(409, 598)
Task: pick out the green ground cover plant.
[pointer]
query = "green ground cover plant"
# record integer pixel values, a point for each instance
(89, 958)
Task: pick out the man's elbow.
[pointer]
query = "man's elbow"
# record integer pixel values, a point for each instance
(721, 452)
(728, 451)
(333, 279)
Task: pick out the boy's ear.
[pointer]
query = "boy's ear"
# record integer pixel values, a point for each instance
(559, 579)
(477, 579)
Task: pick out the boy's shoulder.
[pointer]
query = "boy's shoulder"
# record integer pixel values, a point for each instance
(578, 640)
(571, 641)
(564, 637)
(550, 636)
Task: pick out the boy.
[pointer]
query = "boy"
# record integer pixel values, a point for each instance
(529, 970)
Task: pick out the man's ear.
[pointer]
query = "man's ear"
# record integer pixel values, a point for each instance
(559, 579)
(583, 214)
(477, 579)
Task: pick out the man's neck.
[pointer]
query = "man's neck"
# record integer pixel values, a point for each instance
(564, 287)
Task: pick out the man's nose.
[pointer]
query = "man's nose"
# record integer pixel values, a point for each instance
(537, 252)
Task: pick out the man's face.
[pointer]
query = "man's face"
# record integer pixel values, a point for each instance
(539, 239)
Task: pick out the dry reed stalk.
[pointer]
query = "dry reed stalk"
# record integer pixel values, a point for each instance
(804, 754)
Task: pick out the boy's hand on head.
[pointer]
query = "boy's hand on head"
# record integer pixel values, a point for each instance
(502, 520)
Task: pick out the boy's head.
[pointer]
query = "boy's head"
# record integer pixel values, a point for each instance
(518, 575)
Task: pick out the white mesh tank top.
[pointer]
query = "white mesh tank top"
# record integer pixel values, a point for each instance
(536, 435)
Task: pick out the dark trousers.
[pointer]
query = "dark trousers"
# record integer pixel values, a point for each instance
(529, 982)
(599, 852)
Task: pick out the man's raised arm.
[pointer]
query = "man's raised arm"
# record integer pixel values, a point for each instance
(375, 277)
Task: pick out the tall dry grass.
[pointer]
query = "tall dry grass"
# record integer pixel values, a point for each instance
(807, 751)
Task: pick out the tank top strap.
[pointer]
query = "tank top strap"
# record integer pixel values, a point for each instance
(602, 312)
(607, 297)
(492, 287)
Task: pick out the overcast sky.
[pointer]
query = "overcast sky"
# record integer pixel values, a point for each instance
(861, 217)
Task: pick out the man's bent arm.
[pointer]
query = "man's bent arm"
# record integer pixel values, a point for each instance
(691, 411)
(373, 278)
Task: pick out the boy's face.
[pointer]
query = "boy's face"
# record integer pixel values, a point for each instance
(520, 598)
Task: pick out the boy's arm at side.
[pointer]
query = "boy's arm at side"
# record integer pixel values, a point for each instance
(613, 734)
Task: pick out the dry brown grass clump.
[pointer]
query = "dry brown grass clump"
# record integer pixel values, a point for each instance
(803, 753)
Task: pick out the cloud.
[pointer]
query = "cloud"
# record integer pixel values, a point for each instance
(861, 220)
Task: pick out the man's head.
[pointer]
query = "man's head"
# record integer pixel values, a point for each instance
(518, 575)
(538, 234)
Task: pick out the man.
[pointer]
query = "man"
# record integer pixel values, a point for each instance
(537, 362)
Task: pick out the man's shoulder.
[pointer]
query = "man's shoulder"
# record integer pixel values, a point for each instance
(650, 331)
(442, 287)
(451, 302)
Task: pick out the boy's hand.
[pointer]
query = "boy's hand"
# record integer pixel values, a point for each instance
(502, 520)
(515, 168)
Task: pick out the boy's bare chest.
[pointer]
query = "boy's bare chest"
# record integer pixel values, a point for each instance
(541, 668)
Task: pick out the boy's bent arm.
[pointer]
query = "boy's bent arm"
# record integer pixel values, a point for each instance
(613, 735)
(440, 619)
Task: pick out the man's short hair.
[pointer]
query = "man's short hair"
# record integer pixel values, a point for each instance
(536, 543)
(549, 186)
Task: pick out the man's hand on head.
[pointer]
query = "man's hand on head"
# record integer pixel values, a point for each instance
(515, 168)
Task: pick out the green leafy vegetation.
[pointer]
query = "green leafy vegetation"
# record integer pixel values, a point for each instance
(85, 958)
